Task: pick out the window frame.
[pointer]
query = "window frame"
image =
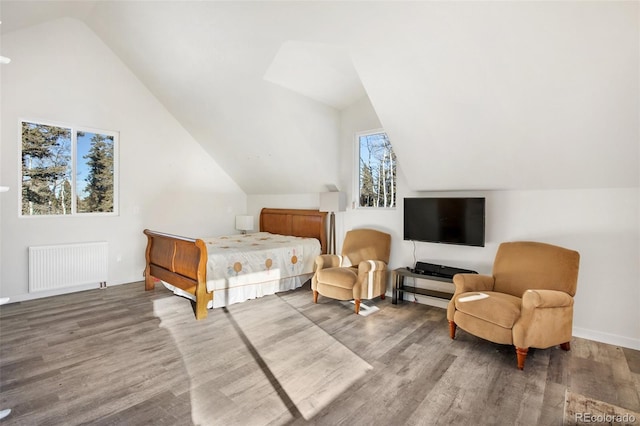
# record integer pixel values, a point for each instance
(74, 157)
(356, 179)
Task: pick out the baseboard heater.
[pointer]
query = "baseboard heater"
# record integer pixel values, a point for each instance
(68, 265)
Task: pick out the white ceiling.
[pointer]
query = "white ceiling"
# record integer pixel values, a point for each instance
(322, 72)
(475, 95)
(22, 14)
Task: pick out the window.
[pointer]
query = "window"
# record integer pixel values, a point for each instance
(376, 170)
(68, 171)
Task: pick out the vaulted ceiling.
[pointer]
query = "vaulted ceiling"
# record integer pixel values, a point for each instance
(474, 95)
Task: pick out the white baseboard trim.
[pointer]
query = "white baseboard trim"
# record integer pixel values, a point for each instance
(428, 300)
(425, 300)
(611, 339)
(598, 336)
(57, 292)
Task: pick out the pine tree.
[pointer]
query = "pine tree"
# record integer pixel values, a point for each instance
(366, 185)
(377, 171)
(46, 154)
(100, 179)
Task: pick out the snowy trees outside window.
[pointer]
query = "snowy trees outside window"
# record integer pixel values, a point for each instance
(67, 171)
(376, 170)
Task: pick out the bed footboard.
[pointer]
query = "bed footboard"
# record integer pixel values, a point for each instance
(181, 262)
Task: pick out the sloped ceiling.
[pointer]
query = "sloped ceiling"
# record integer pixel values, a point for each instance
(322, 72)
(474, 95)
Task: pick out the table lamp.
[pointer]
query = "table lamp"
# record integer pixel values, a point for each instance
(332, 202)
(244, 223)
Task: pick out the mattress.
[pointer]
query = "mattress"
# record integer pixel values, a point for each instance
(243, 267)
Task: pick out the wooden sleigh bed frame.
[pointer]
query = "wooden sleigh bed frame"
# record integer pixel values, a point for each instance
(182, 261)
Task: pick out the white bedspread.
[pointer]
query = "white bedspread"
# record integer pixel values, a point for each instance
(243, 267)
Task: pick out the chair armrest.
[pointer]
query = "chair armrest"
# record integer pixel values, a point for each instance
(546, 319)
(371, 265)
(366, 288)
(465, 283)
(325, 261)
(532, 299)
(473, 282)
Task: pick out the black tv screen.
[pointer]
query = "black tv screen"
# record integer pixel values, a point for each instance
(445, 220)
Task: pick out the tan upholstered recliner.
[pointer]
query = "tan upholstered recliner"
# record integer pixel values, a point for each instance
(361, 271)
(527, 302)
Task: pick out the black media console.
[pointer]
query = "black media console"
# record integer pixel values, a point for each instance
(442, 271)
(425, 271)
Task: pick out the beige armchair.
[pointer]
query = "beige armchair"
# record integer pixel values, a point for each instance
(527, 302)
(359, 273)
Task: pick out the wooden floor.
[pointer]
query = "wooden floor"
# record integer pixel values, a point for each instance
(125, 356)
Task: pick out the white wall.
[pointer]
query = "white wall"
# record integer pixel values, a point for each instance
(214, 85)
(534, 106)
(516, 95)
(61, 72)
(602, 224)
(256, 202)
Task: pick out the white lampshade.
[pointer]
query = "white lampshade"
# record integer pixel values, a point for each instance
(333, 201)
(244, 223)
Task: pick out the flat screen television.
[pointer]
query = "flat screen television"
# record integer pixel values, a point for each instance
(455, 220)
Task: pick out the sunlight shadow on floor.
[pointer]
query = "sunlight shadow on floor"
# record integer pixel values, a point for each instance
(259, 362)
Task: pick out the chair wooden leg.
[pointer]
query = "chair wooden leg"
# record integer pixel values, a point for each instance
(565, 346)
(452, 329)
(315, 296)
(357, 306)
(522, 356)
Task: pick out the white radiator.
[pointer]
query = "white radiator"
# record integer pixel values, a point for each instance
(67, 265)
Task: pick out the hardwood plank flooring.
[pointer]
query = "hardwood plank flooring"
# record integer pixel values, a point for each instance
(125, 356)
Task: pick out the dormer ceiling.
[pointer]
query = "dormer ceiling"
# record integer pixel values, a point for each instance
(322, 72)
(474, 95)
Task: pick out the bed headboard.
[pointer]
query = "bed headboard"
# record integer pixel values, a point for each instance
(299, 223)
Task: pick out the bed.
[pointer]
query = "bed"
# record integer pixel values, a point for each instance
(218, 271)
